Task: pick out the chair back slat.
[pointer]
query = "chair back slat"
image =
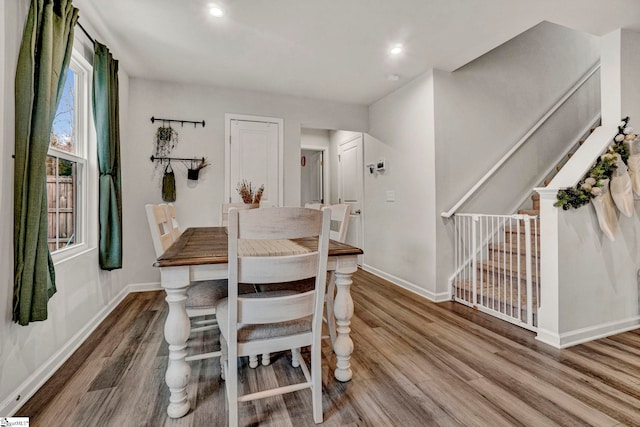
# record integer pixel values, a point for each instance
(269, 223)
(160, 227)
(277, 269)
(172, 218)
(276, 309)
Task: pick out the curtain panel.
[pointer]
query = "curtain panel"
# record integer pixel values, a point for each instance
(107, 121)
(43, 60)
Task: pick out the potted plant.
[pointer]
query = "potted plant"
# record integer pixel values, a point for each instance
(193, 172)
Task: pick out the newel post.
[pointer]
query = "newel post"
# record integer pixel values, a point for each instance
(549, 298)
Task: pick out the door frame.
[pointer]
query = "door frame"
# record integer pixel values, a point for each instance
(228, 117)
(360, 135)
(326, 171)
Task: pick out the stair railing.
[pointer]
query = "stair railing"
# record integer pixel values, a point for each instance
(497, 266)
(521, 141)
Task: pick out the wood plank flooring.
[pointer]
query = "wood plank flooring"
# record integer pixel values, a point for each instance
(415, 363)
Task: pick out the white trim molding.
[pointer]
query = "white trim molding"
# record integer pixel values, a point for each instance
(411, 287)
(144, 287)
(579, 336)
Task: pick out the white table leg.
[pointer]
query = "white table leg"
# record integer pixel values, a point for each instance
(176, 333)
(330, 301)
(343, 311)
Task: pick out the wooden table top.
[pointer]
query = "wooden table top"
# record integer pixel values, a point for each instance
(209, 245)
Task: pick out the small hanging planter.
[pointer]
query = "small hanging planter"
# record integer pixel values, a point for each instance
(193, 174)
(193, 171)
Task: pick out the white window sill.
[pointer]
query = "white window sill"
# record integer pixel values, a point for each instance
(67, 254)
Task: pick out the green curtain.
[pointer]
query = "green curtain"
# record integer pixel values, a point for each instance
(43, 61)
(106, 119)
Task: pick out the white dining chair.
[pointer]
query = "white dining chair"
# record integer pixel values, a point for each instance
(339, 219)
(279, 320)
(201, 296)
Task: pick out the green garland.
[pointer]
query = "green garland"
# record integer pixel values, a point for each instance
(600, 173)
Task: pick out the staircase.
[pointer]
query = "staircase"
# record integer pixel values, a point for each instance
(498, 261)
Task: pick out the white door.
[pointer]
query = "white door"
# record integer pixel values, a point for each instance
(254, 155)
(351, 186)
(311, 177)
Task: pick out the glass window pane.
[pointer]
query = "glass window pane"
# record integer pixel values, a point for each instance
(61, 194)
(63, 130)
(66, 202)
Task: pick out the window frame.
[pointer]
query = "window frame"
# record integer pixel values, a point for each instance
(83, 120)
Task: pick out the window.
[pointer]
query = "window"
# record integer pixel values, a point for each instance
(67, 160)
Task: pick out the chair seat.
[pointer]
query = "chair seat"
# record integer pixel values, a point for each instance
(207, 293)
(255, 332)
(300, 286)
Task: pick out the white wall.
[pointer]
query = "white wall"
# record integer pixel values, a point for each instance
(485, 107)
(399, 236)
(591, 285)
(315, 139)
(598, 278)
(198, 203)
(443, 131)
(630, 46)
(29, 354)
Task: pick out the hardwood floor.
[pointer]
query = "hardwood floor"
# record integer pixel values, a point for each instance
(415, 363)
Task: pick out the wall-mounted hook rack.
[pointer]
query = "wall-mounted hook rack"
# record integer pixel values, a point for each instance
(182, 122)
(179, 159)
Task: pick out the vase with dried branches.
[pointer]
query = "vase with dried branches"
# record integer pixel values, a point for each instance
(248, 193)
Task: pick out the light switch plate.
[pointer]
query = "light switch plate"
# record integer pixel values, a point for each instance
(391, 196)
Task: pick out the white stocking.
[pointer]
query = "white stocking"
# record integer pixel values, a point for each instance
(621, 191)
(606, 212)
(634, 171)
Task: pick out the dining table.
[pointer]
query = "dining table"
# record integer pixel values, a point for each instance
(201, 253)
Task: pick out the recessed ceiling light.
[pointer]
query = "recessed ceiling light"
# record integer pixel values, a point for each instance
(396, 50)
(216, 11)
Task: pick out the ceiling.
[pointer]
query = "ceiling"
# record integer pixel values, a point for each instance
(327, 49)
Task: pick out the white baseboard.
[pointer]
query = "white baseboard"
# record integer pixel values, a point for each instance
(431, 296)
(578, 336)
(144, 287)
(548, 337)
(36, 380)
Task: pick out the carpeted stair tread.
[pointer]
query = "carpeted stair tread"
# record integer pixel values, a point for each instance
(510, 247)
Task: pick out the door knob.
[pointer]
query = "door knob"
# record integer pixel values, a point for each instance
(358, 212)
